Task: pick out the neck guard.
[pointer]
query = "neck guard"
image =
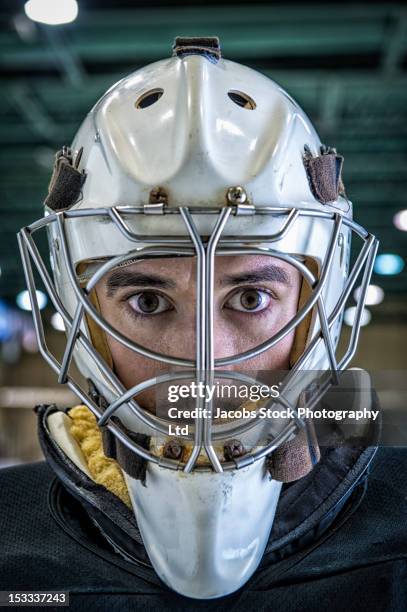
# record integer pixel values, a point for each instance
(306, 510)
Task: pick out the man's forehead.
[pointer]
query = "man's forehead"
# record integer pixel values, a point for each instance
(180, 273)
(177, 266)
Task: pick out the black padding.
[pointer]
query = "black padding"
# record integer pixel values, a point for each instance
(208, 46)
(359, 563)
(66, 183)
(134, 465)
(78, 483)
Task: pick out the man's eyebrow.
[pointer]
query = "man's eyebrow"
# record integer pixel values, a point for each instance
(269, 272)
(122, 278)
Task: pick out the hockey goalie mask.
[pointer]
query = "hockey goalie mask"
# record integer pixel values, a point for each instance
(199, 171)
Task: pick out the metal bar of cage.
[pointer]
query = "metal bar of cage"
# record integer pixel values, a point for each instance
(367, 253)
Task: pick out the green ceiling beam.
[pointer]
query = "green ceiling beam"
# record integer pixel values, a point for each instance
(65, 57)
(396, 44)
(38, 120)
(361, 112)
(247, 31)
(122, 44)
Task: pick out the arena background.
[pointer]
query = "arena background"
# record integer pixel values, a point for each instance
(345, 64)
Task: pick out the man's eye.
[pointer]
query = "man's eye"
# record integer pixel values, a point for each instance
(148, 302)
(249, 300)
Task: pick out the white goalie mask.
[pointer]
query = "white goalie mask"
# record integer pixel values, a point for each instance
(200, 158)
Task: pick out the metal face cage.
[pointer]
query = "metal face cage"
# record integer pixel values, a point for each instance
(205, 367)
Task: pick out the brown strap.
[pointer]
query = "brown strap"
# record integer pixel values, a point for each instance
(324, 174)
(66, 182)
(295, 458)
(134, 465)
(208, 46)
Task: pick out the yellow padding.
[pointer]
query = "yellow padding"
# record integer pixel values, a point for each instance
(97, 335)
(105, 471)
(302, 330)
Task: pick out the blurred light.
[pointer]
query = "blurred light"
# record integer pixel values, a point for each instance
(400, 220)
(23, 300)
(374, 295)
(25, 28)
(5, 327)
(349, 316)
(30, 343)
(57, 322)
(388, 263)
(51, 12)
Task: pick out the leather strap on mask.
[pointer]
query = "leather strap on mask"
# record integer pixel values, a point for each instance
(295, 458)
(66, 181)
(324, 173)
(134, 465)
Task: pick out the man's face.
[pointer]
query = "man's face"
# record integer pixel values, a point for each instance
(153, 303)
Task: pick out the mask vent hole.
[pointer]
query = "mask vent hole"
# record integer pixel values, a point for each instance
(242, 99)
(149, 98)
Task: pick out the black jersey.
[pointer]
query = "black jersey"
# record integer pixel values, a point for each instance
(48, 541)
(343, 548)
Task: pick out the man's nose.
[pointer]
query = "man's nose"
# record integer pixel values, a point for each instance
(224, 345)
